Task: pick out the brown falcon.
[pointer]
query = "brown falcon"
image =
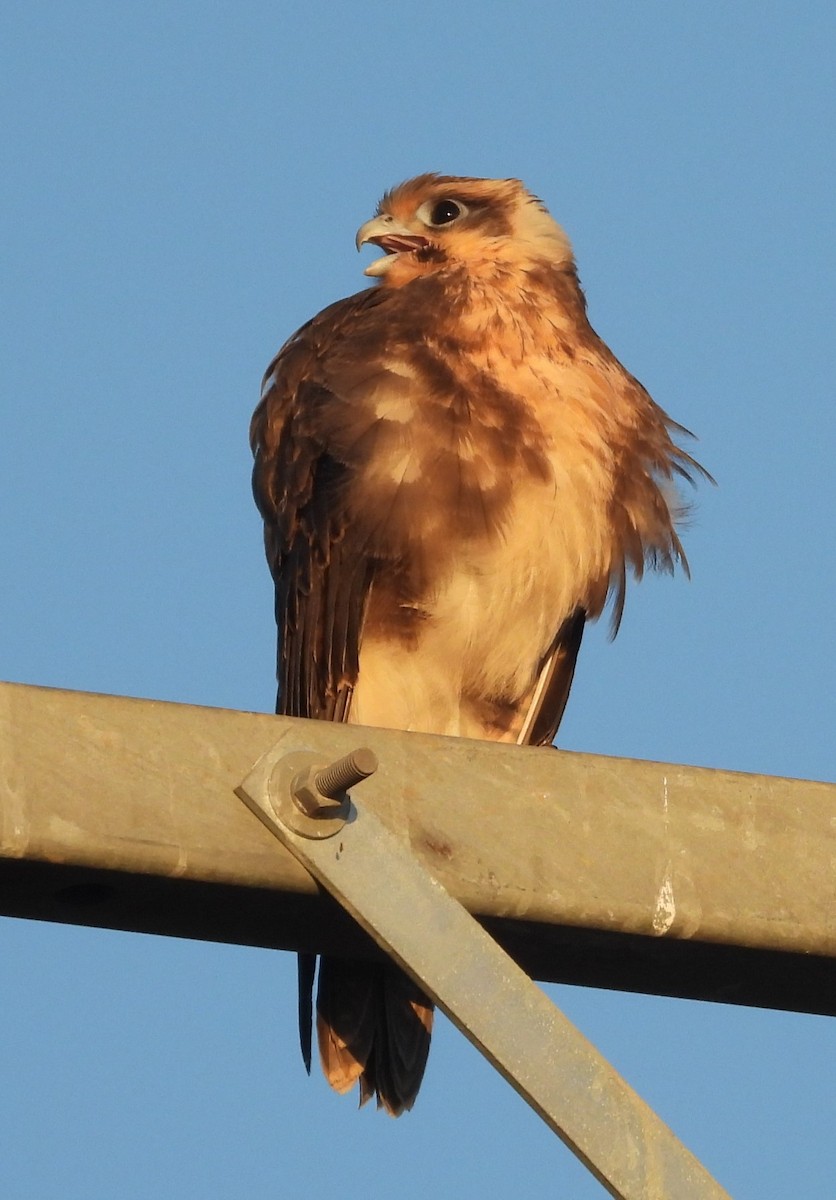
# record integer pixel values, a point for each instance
(455, 473)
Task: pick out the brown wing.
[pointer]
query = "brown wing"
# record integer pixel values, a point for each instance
(319, 558)
(551, 692)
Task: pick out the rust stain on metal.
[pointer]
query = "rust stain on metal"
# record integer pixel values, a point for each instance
(435, 845)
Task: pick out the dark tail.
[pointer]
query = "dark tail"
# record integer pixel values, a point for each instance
(306, 967)
(373, 1026)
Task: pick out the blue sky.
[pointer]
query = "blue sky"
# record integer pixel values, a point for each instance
(180, 188)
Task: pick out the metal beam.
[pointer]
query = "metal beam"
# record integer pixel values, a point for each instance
(612, 872)
(375, 877)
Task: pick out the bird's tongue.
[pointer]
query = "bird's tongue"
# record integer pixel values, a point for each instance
(394, 243)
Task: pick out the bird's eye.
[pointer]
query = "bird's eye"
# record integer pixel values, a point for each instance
(441, 212)
(444, 212)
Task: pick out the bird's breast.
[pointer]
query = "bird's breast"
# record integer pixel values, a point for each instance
(499, 489)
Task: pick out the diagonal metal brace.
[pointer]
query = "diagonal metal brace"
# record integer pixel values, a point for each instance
(376, 878)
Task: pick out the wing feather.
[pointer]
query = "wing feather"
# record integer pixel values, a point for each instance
(321, 567)
(545, 711)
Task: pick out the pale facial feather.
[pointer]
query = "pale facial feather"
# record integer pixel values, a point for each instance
(505, 227)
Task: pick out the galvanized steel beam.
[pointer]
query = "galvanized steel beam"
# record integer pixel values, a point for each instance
(612, 872)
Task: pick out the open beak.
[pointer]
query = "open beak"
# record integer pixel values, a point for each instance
(392, 237)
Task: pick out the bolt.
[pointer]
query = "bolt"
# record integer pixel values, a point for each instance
(320, 791)
(346, 772)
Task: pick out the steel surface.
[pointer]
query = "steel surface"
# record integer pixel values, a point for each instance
(613, 872)
(377, 879)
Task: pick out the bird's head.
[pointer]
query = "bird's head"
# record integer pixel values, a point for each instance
(438, 221)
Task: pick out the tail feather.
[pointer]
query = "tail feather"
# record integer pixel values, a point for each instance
(306, 969)
(345, 1020)
(407, 1020)
(373, 1027)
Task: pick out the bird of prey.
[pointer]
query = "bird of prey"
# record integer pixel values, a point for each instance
(455, 474)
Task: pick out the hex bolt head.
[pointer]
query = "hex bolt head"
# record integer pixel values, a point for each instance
(321, 791)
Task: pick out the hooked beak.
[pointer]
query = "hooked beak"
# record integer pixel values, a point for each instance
(392, 237)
